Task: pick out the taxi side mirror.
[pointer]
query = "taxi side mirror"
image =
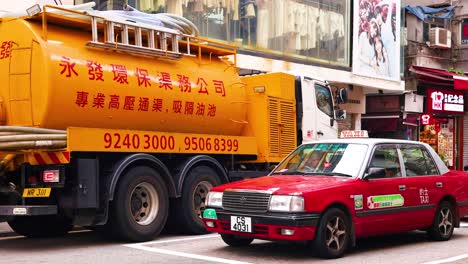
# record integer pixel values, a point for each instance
(374, 172)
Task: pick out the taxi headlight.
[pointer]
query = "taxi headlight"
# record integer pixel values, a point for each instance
(286, 203)
(214, 199)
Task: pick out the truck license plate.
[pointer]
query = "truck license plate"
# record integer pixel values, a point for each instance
(241, 224)
(36, 192)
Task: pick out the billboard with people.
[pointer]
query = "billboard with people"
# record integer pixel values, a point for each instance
(376, 50)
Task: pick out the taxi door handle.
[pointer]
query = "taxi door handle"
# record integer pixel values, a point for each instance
(439, 185)
(402, 187)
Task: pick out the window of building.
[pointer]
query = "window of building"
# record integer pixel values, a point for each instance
(315, 30)
(105, 4)
(432, 23)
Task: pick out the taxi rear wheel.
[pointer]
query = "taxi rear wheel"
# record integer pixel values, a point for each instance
(443, 223)
(332, 234)
(236, 241)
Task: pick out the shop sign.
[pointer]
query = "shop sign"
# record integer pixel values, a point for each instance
(445, 101)
(429, 119)
(464, 32)
(426, 119)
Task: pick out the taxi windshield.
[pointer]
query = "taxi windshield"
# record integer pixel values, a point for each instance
(330, 159)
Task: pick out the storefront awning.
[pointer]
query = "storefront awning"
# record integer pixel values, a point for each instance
(440, 77)
(411, 120)
(426, 13)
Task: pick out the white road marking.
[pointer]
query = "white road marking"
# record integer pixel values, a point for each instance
(452, 258)
(186, 255)
(10, 237)
(447, 260)
(144, 246)
(175, 240)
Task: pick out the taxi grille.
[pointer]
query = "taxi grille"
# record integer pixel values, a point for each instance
(246, 201)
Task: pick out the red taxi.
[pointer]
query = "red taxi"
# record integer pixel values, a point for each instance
(332, 192)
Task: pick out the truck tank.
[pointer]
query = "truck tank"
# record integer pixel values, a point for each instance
(60, 82)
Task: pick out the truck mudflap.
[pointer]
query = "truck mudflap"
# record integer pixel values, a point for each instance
(28, 210)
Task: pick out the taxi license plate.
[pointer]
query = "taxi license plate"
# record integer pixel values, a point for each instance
(241, 224)
(36, 192)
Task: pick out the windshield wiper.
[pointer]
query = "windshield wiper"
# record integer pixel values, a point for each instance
(288, 173)
(336, 174)
(297, 173)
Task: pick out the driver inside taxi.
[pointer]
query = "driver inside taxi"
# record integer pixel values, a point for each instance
(313, 161)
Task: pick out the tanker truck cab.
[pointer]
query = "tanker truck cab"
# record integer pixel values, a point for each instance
(317, 109)
(125, 126)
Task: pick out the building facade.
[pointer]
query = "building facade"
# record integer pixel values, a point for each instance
(436, 62)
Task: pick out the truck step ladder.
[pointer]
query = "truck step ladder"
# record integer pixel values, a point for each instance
(137, 38)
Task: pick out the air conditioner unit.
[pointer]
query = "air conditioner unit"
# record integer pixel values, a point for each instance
(440, 38)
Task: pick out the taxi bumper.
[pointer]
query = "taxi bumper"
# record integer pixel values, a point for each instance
(269, 226)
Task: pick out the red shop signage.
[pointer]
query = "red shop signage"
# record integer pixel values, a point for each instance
(444, 101)
(429, 119)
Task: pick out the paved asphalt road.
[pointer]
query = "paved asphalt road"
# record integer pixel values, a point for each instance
(83, 246)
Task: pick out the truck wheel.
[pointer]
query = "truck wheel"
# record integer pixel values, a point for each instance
(140, 206)
(41, 226)
(443, 223)
(196, 186)
(236, 241)
(332, 234)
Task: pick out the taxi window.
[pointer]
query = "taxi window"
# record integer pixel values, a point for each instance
(418, 162)
(386, 157)
(329, 159)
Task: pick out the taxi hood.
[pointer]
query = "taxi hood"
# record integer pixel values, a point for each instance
(286, 184)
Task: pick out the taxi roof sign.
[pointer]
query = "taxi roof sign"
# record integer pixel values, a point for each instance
(354, 134)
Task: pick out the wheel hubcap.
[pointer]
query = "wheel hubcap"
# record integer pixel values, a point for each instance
(199, 196)
(446, 219)
(336, 233)
(144, 203)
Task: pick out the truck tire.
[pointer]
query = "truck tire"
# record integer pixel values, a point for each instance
(194, 191)
(140, 207)
(41, 226)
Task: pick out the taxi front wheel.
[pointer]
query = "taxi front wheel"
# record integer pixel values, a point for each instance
(443, 223)
(236, 241)
(332, 234)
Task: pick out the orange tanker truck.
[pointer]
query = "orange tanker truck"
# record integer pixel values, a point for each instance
(122, 125)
